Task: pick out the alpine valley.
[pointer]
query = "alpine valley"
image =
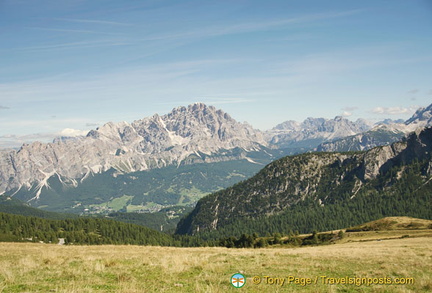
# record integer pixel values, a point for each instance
(173, 160)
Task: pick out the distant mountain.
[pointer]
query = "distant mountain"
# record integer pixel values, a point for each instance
(313, 131)
(390, 121)
(156, 162)
(380, 135)
(323, 191)
(384, 133)
(181, 136)
(422, 117)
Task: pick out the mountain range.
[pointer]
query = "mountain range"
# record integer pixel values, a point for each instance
(323, 191)
(313, 131)
(173, 159)
(383, 133)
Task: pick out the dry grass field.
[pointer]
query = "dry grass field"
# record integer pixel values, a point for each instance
(26, 267)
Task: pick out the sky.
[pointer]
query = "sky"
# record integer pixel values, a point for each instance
(68, 66)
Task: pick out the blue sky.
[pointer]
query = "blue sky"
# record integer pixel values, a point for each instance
(70, 66)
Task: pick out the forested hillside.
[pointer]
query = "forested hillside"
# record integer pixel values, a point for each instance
(78, 231)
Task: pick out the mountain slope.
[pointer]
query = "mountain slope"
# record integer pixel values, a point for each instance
(143, 191)
(326, 183)
(422, 117)
(17, 207)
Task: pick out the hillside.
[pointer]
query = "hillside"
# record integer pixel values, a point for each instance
(17, 207)
(90, 231)
(305, 192)
(393, 224)
(388, 228)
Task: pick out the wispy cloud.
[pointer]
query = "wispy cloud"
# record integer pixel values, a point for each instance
(4, 108)
(74, 31)
(94, 21)
(221, 101)
(70, 132)
(249, 26)
(91, 124)
(394, 110)
(15, 141)
(350, 108)
(76, 45)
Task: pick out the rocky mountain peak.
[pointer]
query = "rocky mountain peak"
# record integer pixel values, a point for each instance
(422, 117)
(152, 142)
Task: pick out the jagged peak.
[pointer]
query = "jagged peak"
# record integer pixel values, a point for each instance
(422, 115)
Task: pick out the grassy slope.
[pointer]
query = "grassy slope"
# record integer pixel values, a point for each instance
(28, 267)
(394, 223)
(35, 268)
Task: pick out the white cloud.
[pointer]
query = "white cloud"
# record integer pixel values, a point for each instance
(16, 141)
(219, 101)
(394, 110)
(93, 21)
(72, 132)
(76, 45)
(346, 114)
(350, 109)
(72, 31)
